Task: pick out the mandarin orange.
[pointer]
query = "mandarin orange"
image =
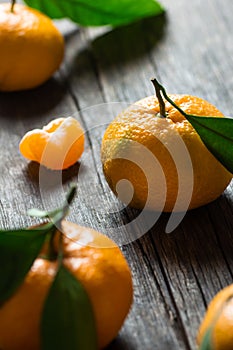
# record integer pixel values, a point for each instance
(97, 262)
(138, 144)
(31, 47)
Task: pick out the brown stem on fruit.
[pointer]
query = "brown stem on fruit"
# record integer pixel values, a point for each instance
(12, 5)
(161, 88)
(159, 97)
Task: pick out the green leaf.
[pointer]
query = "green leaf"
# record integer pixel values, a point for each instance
(18, 250)
(38, 213)
(43, 214)
(67, 320)
(207, 341)
(59, 213)
(98, 12)
(217, 134)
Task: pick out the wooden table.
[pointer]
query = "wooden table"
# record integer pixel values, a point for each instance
(191, 51)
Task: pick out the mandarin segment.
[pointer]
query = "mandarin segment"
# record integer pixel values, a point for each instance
(97, 263)
(32, 144)
(192, 174)
(57, 146)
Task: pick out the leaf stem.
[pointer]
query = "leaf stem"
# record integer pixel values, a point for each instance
(160, 87)
(157, 87)
(12, 5)
(56, 216)
(57, 219)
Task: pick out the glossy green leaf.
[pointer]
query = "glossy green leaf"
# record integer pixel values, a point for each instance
(207, 341)
(18, 250)
(98, 12)
(217, 135)
(68, 320)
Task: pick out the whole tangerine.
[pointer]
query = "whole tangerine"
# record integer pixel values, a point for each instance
(97, 262)
(139, 144)
(31, 47)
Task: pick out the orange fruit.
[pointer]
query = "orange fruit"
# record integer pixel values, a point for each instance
(57, 145)
(219, 315)
(31, 48)
(138, 137)
(97, 263)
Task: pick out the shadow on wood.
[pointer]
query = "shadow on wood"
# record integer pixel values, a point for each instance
(201, 242)
(30, 104)
(128, 43)
(40, 175)
(119, 45)
(121, 343)
(204, 237)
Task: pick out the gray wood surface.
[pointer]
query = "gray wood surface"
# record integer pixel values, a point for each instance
(191, 51)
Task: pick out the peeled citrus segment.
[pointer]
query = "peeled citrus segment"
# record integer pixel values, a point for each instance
(57, 146)
(53, 125)
(32, 143)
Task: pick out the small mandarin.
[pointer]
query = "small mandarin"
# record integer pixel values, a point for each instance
(97, 262)
(31, 47)
(219, 315)
(139, 144)
(57, 145)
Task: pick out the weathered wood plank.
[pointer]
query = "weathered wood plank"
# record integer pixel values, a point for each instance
(124, 68)
(151, 321)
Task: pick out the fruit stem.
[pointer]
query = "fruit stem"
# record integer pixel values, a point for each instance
(57, 219)
(157, 87)
(12, 5)
(161, 88)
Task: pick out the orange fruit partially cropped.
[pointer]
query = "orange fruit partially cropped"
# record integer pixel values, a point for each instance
(97, 263)
(31, 48)
(219, 316)
(139, 144)
(57, 145)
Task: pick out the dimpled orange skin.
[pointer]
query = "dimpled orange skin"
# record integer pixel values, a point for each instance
(223, 320)
(57, 145)
(31, 48)
(97, 263)
(142, 125)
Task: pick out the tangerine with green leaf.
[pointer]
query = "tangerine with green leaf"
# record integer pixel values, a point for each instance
(153, 126)
(31, 47)
(79, 273)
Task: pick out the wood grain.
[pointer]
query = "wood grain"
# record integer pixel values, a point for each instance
(190, 50)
